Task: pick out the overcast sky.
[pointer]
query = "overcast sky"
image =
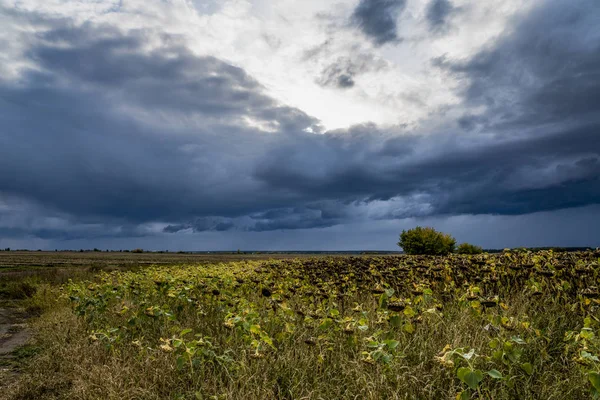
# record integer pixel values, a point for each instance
(226, 124)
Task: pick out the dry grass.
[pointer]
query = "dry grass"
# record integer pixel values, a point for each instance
(72, 367)
(20, 262)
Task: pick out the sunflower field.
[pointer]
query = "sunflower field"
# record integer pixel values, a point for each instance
(512, 325)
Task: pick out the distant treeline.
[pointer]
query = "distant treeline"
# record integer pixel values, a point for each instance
(534, 249)
(348, 252)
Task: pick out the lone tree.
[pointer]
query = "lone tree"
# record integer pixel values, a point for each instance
(426, 240)
(468, 248)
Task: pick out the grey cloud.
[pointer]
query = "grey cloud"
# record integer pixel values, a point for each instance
(207, 7)
(469, 122)
(544, 71)
(377, 19)
(345, 80)
(458, 177)
(291, 218)
(94, 160)
(69, 234)
(199, 85)
(342, 72)
(305, 217)
(438, 12)
(20, 218)
(202, 225)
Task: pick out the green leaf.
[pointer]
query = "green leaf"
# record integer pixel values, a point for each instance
(495, 374)
(517, 340)
(377, 354)
(586, 333)
(409, 312)
(395, 321)
(265, 338)
(471, 377)
(464, 395)
(528, 368)
(409, 328)
(461, 372)
(180, 362)
(514, 355)
(589, 356)
(185, 332)
(255, 329)
(594, 378)
(392, 344)
(389, 292)
(327, 322)
(383, 301)
(497, 355)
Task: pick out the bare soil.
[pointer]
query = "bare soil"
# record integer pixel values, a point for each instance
(13, 335)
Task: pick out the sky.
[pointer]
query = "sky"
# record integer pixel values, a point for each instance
(298, 125)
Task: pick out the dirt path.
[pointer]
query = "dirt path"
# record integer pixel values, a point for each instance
(13, 334)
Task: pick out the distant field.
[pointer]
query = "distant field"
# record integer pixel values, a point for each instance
(20, 260)
(514, 325)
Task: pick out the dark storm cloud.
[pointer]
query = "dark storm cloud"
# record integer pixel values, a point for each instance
(438, 12)
(313, 215)
(199, 85)
(22, 219)
(202, 225)
(25, 232)
(81, 153)
(294, 219)
(115, 135)
(307, 217)
(377, 19)
(505, 177)
(68, 233)
(547, 70)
